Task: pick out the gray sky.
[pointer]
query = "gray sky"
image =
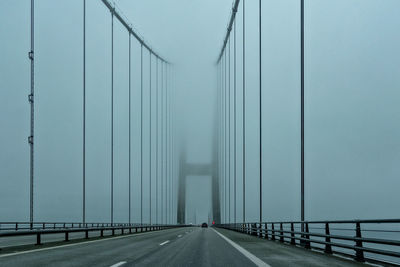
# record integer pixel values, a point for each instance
(351, 93)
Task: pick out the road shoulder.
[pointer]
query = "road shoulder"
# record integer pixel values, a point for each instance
(277, 254)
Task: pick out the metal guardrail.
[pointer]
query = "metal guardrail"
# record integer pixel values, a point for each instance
(15, 226)
(376, 241)
(67, 228)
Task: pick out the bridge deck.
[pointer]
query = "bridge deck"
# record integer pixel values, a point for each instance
(174, 247)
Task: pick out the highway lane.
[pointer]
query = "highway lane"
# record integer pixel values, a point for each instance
(175, 247)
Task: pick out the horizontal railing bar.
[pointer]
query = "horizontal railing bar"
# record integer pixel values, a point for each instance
(341, 237)
(334, 221)
(73, 230)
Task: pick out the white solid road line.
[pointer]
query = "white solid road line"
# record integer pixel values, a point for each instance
(118, 264)
(71, 245)
(246, 253)
(163, 243)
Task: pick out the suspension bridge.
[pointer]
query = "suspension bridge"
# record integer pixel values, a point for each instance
(149, 220)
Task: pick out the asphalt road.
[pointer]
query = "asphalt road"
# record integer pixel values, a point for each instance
(174, 247)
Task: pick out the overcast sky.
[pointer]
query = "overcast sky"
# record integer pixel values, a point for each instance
(352, 82)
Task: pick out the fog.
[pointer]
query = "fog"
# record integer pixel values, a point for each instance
(352, 82)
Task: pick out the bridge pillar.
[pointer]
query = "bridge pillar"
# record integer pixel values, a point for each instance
(186, 169)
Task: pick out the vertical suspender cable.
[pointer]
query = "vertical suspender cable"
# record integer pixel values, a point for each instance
(168, 147)
(170, 137)
(221, 133)
(141, 134)
(260, 105)
(112, 116)
(165, 144)
(226, 139)
(171, 149)
(221, 137)
(229, 132)
(168, 143)
(84, 119)
(162, 142)
(172, 144)
(234, 118)
(302, 107)
(244, 114)
(129, 126)
(157, 136)
(150, 139)
(31, 101)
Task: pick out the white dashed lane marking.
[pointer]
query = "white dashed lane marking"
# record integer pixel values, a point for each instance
(163, 243)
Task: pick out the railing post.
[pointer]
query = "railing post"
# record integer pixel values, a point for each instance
(281, 232)
(101, 232)
(113, 232)
(292, 239)
(38, 239)
(16, 226)
(54, 226)
(307, 236)
(266, 230)
(359, 245)
(273, 232)
(328, 247)
(44, 225)
(86, 234)
(66, 237)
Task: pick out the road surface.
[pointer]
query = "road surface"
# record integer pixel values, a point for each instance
(174, 247)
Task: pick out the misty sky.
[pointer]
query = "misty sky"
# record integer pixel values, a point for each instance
(352, 87)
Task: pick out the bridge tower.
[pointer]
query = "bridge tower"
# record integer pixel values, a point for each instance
(186, 169)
